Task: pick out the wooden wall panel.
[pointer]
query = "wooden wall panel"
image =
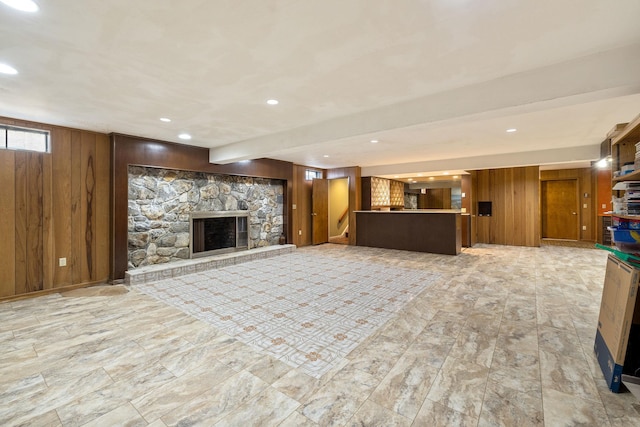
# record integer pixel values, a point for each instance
(61, 207)
(514, 193)
(603, 185)
(21, 215)
(55, 205)
(48, 237)
(102, 207)
(35, 217)
(76, 208)
(7, 223)
(87, 184)
(532, 212)
(469, 205)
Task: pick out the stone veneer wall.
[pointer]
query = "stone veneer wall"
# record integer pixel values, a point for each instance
(410, 201)
(160, 201)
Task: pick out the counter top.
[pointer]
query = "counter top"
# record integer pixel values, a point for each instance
(419, 211)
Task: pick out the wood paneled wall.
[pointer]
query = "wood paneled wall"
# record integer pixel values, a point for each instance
(54, 205)
(468, 203)
(435, 198)
(515, 197)
(603, 190)
(587, 179)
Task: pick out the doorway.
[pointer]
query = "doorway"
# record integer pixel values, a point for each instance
(330, 211)
(339, 211)
(560, 219)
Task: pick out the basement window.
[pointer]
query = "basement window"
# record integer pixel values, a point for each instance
(311, 175)
(18, 138)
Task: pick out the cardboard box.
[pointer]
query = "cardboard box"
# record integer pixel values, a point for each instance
(615, 319)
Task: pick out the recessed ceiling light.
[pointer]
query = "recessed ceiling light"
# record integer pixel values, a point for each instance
(7, 69)
(396, 176)
(445, 173)
(511, 130)
(272, 101)
(374, 141)
(184, 136)
(326, 155)
(23, 5)
(419, 174)
(431, 178)
(165, 119)
(455, 176)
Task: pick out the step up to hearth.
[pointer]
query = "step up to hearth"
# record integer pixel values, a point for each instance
(151, 273)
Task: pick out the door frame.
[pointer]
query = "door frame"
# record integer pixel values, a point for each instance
(349, 208)
(577, 207)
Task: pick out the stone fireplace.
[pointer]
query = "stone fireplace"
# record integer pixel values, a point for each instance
(218, 232)
(162, 203)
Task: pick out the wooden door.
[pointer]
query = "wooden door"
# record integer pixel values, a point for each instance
(320, 211)
(560, 219)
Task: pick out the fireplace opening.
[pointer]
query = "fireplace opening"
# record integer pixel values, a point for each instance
(217, 232)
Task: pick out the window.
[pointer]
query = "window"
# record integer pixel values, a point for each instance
(311, 174)
(16, 138)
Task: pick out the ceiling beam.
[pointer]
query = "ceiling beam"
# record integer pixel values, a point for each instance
(584, 153)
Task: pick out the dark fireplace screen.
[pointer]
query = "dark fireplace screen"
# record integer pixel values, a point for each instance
(218, 234)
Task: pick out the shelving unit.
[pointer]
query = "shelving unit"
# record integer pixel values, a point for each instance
(615, 342)
(623, 151)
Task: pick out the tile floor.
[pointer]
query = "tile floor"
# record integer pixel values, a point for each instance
(303, 308)
(497, 336)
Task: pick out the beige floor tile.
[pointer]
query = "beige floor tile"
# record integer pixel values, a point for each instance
(335, 402)
(158, 402)
(125, 416)
(438, 415)
(217, 401)
(404, 389)
(372, 414)
(267, 408)
(562, 409)
(500, 335)
(508, 407)
(296, 419)
(567, 375)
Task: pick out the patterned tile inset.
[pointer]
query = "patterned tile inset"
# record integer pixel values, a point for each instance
(307, 323)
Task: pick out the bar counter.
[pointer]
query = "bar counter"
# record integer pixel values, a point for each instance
(436, 231)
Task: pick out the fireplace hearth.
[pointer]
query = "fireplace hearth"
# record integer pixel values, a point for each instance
(218, 232)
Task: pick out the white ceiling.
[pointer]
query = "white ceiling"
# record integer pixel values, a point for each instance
(437, 82)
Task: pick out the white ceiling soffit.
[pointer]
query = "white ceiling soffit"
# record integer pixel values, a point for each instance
(570, 83)
(430, 79)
